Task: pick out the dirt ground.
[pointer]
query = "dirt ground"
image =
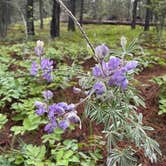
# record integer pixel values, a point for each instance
(150, 94)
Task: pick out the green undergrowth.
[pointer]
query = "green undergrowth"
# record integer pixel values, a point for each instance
(161, 81)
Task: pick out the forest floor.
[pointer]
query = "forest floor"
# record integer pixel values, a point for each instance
(148, 90)
(150, 93)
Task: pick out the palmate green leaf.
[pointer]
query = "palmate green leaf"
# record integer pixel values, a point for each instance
(3, 120)
(34, 152)
(53, 137)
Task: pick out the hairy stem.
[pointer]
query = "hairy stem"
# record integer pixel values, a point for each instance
(77, 23)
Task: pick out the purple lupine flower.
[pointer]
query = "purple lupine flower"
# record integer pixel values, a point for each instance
(113, 63)
(34, 68)
(124, 84)
(99, 88)
(71, 107)
(64, 124)
(46, 64)
(41, 108)
(119, 79)
(47, 94)
(39, 50)
(55, 109)
(101, 51)
(105, 68)
(73, 117)
(47, 75)
(63, 105)
(49, 128)
(76, 90)
(97, 72)
(131, 65)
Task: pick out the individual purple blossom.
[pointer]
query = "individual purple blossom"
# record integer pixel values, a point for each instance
(71, 107)
(124, 84)
(46, 64)
(131, 65)
(73, 117)
(55, 110)
(47, 75)
(114, 63)
(99, 88)
(49, 128)
(64, 124)
(34, 68)
(118, 79)
(101, 51)
(105, 69)
(97, 72)
(41, 108)
(47, 94)
(63, 105)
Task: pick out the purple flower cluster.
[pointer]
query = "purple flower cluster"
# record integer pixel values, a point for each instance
(34, 69)
(46, 67)
(39, 50)
(47, 95)
(59, 114)
(115, 71)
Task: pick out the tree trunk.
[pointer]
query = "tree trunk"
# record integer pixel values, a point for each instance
(41, 13)
(5, 13)
(30, 18)
(71, 24)
(81, 12)
(148, 16)
(55, 22)
(134, 14)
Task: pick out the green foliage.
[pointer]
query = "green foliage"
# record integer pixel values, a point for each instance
(161, 81)
(30, 123)
(11, 88)
(68, 154)
(119, 157)
(3, 120)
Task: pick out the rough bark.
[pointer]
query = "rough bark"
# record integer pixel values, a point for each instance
(81, 12)
(41, 13)
(134, 14)
(30, 18)
(5, 13)
(148, 16)
(71, 24)
(55, 22)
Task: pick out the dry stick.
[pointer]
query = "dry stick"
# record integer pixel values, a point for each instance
(77, 23)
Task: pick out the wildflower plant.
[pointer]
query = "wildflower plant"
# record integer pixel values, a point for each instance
(110, 99)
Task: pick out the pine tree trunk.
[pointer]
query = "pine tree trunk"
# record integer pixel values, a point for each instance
(81, 12)
(41, 13)
(71, 24)
(5, 13)
(134, 14)
(148, 16)
(30, 18)
(55, 22)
